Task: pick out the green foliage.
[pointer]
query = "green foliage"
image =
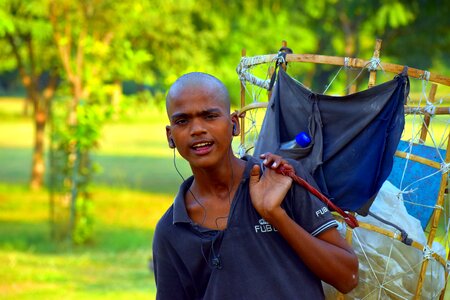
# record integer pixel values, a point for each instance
(6, 23)
(26, 21)
(72, 171)
(393, 14)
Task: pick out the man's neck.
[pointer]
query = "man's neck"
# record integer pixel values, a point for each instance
(220, 179)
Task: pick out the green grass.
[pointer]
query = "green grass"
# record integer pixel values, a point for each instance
(114, 266)
(135, 187)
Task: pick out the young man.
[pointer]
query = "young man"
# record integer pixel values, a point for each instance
(235, 231)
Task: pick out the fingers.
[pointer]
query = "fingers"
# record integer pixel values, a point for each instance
(272, 161)
(254, 175)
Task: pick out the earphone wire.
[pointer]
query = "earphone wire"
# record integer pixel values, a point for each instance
(216, 262)
(230, 188)
(198, 202)
(189, 189)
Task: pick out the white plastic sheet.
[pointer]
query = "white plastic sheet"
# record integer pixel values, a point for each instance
(388, 268)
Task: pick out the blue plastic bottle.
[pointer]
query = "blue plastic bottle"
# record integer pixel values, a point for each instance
(301, 140)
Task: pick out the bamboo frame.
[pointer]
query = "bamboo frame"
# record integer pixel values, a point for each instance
(376, 55)
(427, 117)
(435, 220)
(348, 62)
(375, 64)
(242, 116)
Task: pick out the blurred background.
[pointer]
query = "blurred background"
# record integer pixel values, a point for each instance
(85, 170)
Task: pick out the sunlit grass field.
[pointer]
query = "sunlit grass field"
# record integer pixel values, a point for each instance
(134, 188)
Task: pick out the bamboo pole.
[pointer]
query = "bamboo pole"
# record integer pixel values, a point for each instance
(351, 62)
(424, 111)
(434, 220)
(448, 255)
(242, 115)
(376, 55)
(251, 106)
(408, 109)
(419, 159)
(427, 117)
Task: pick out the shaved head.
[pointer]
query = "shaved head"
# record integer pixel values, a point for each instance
(199, 80)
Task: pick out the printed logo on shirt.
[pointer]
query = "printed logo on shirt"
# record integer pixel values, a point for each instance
(264, 226)
(321, 211)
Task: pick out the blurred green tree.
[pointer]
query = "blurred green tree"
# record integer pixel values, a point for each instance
(25, 36)
(96, 55)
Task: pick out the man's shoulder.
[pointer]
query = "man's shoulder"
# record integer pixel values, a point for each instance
(166, 221)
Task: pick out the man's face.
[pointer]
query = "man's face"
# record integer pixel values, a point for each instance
(200, 125)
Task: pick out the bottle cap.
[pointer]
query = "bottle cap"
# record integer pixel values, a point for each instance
(303, 139)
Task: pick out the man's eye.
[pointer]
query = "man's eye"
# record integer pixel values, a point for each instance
(180, 121)
(211, 116)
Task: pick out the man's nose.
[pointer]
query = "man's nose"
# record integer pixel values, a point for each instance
(197, 127)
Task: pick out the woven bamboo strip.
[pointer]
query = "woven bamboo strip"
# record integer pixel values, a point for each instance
(244, 52)
(251, 106)
(424, 110)
(351, 62)
(427, 117)
(435, 218)
(418, 159)
(376, 55)
(408, 109)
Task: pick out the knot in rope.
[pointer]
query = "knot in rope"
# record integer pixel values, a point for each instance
(241, 151)
(288, 170)
(430, 108)
(280, 58)
(427, 253)
(374, 63)
(425, 76)
(346, 62)
(439, 207)
(445, 167)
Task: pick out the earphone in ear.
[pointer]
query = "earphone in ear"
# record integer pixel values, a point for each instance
(171, 143)
(234, 129)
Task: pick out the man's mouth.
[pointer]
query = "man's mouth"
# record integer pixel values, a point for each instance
(202, 147)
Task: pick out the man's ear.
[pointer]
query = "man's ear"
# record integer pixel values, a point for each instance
(236, 126)
(169, 137)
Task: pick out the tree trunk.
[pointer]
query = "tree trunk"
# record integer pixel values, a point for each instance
(41, 111)
(38, 163)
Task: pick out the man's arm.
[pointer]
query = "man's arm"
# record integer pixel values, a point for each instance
(328, 255)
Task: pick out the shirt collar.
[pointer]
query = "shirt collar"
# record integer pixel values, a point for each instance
(180, 214)
(179, 207)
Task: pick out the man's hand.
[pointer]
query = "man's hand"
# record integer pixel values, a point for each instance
(268, 191)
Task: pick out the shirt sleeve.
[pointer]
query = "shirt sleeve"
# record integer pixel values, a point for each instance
(306, 209)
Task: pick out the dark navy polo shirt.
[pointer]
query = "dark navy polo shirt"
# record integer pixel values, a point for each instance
(247, 260)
